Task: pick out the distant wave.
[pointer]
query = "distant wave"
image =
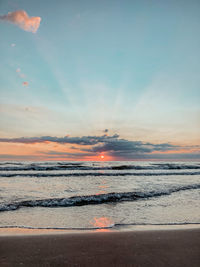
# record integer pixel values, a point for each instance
(95, 174)
(80, 166)
(38, 163)
(11, 163)
(162, 166)
(45, 168)
(94, 199)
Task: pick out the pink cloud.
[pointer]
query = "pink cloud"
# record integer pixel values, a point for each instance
(22, 75)
(25, 83)
(22, 20)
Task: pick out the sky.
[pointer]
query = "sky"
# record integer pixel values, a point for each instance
(84, 79)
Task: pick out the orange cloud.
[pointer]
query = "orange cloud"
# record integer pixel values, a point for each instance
(21, 19)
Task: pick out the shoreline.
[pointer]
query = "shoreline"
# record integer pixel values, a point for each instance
(175, 247)
(23, 230)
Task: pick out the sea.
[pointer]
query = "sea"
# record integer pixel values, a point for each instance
(98, 195)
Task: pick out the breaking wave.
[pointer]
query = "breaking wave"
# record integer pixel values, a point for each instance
(80, 166)
(93, 199)
(35, 174)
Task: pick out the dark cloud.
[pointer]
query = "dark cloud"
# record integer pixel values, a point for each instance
(91, 145)
(84, 140)
(122, 146)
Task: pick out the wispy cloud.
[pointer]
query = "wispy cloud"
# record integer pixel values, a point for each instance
(21, 19)
(21, 75)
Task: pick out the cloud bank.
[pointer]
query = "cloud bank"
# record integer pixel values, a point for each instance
(113, 146)
(21, 19)
(93, 145)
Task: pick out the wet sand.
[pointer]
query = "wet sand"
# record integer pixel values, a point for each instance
(110, 248)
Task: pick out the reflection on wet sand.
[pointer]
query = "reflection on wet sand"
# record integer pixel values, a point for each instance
(102, 223)
(102, 187)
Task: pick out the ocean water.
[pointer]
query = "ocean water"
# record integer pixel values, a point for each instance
(92, 195)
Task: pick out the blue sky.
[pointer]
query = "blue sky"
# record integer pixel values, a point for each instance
(131, 67)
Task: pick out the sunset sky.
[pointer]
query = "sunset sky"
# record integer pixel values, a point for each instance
(82, 79)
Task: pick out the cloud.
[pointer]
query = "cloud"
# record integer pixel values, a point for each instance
(25, 83)
(92, 145)
(84, 140)
(19, 157)
(57, 154)
(118, 147)
(113, 146)
(21, 75)
(21, 19)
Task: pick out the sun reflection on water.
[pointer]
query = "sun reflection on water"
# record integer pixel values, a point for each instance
(102, 223)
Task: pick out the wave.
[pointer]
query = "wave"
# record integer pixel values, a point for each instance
(96, 174)
(93, 199)
(11, 163)
(45, 168)
(162, 166)
(80, 166)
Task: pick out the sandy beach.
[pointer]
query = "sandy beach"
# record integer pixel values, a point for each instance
(109, 248)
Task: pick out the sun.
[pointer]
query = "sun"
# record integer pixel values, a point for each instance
(102, 156)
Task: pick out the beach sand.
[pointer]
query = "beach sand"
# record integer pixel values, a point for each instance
(105, 248)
